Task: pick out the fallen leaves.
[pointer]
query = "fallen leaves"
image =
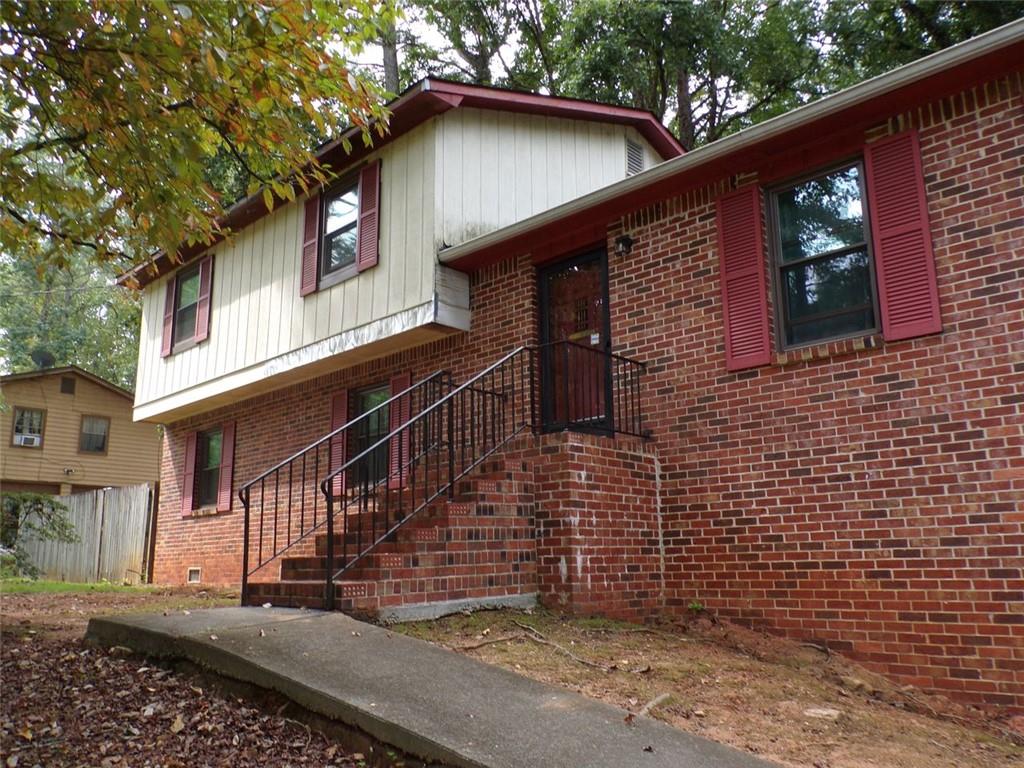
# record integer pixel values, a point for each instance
(93, 707)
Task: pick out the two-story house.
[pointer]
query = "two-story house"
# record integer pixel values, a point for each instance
(66, 430)
(527, 349)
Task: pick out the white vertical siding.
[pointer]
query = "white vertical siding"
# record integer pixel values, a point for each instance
(497, 168)
(462, 174)
(256, 311)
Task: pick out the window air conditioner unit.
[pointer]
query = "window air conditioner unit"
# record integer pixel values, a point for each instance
(27, 441)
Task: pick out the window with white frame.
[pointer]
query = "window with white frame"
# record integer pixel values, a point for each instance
(28, 427)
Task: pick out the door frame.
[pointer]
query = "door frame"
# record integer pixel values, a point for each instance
(599, 254)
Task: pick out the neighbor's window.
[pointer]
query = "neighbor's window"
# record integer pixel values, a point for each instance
(208, 451)
(186, 304)
(824, 275)
(341, 214)
(95, 430)
(28, 427)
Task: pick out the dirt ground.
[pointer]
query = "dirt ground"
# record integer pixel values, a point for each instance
(783, 701)
(67, 704)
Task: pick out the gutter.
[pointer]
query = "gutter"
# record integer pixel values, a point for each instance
(961, 53)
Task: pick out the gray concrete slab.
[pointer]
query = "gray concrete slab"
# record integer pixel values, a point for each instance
(430, 702)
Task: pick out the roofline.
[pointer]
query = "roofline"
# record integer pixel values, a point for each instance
(908, 74)
(26, 375)
(418, 103)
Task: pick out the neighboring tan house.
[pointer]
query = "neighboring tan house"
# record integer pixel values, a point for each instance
(66, 430)
(525, 349)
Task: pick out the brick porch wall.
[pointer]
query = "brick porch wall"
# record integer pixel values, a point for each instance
(864, 494)
(598, 539)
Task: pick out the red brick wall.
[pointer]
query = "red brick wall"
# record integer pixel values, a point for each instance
(598, 538)
(865, 494)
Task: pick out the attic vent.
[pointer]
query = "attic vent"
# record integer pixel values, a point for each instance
(67, 385)
(634, 157)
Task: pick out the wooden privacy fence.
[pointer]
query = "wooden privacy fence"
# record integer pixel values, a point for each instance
(113, 526)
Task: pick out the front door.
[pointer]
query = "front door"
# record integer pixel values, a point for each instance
(575, 371)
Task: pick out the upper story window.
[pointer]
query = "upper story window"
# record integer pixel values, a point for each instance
(186, 304)
(187, 307)
(341, 217)
(823, 269)
(340, 231)
(95, 431)
(28, 427)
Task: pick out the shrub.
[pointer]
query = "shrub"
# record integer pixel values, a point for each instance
(31, 515)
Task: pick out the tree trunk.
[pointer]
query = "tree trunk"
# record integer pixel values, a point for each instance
(389, 43)
(687, 130)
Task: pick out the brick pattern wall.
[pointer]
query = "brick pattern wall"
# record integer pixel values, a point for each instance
(598, 539)
(864, 494)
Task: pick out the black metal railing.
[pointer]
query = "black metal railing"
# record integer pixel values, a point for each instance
(444, 431)
(589, 389)
(283, 507)
(429, 453)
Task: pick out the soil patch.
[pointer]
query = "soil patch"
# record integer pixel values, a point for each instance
(784, 701)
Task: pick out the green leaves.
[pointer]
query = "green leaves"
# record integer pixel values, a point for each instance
(113, 113)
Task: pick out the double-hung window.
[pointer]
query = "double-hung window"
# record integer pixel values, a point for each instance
(208, 469)
(340, 231)
(187, 307)
(823, 271)
(850, 253)
(28, 427)
(186, 304)
(95, 431)
(340, 224)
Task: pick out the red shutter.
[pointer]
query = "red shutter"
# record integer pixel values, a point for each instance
(742, 267)
(227, 467)
(339, 418)
(369, 207)
(188, 482)
(310, 247)
(203, 306)
(398, 414)
(905, 267)
(165, 345)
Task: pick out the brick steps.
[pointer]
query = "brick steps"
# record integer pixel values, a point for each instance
(477, 545)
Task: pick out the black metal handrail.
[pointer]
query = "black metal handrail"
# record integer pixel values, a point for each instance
(429, 453)
(444, 432)
(590, 389)
(287, 492)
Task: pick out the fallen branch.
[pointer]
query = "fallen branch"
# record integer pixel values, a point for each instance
(489, 641)
(538, 637)
(660, 699)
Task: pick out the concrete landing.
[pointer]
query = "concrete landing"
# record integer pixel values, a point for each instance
(427, 701)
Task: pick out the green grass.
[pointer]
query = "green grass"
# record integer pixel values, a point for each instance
(30, 586)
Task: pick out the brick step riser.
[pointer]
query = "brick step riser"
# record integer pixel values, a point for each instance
(466, 563)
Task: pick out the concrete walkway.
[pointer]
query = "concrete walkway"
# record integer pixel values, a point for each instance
(427, 701)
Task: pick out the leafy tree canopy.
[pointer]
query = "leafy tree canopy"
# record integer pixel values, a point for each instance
(112, 111)
(706, 68)
(74, 314)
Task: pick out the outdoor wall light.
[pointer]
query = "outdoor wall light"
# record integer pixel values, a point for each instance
(624, 245)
